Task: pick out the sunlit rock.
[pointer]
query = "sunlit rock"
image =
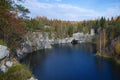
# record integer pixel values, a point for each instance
(3, 51)
(9, 63)
(3, 68)
(32, 78)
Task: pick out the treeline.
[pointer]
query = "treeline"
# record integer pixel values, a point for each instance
(14, 24)
(67, 28)
(59, 28)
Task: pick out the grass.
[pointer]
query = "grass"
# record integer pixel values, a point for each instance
(18, 72)
(2, 43)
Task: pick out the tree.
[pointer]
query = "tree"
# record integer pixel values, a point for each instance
(104, 38)
(70, 31)
(11, 27)
(103, 22)
(22, 11)
(79, 27)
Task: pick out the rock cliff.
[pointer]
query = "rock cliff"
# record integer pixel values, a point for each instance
(38, 40)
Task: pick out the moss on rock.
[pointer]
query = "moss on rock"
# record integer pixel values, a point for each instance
(18, 72)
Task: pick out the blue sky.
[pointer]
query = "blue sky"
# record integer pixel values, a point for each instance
(73, 10)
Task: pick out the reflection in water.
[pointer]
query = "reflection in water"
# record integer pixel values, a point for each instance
(34, 59)
(104, 65)
(71, 62)
(115, 70)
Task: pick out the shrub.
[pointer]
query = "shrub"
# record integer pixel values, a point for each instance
(18, 72)
(2, 43)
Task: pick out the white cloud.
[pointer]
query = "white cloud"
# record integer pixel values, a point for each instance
(47, 0)
(113, 11)
(58, 0)
(66, 11)
(54, 0)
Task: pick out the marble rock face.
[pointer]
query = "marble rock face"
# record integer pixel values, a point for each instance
(9, 63)
(32, 78)
(3, 51)
(3, 68)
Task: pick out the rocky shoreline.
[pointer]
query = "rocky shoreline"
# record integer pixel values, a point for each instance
(35, 41)
(107, 56)
(9, 65)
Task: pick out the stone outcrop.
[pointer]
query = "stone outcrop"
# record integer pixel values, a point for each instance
(63, 41)
(3, 51)
(82, 37)
(34, 41)
(3, 68)
(9, 63)
(32, 78)
(5, 65)
(38, 40)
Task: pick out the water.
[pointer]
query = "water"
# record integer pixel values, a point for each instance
(71, 62)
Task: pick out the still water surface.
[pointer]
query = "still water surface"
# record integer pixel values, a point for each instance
(71, 62)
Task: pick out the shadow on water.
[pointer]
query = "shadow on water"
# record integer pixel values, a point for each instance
(35, 58)
(71, 62)
(108, 68)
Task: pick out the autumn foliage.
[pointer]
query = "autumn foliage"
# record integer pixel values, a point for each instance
(104, 38)
(11, 28)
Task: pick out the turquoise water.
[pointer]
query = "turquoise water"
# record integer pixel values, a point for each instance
(71, 62)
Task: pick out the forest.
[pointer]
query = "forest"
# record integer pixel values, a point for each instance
(14, 24)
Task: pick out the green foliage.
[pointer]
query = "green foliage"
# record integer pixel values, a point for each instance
(103, 22)
(110, 32)
(2, 43)
(22, 10)
(6, 4)
(79, 27)
(11, 28)
(47, 30)
(97, 24)
(63, 29)
(18, 72)
(70, 31)
(30, 25)
(114, 30)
